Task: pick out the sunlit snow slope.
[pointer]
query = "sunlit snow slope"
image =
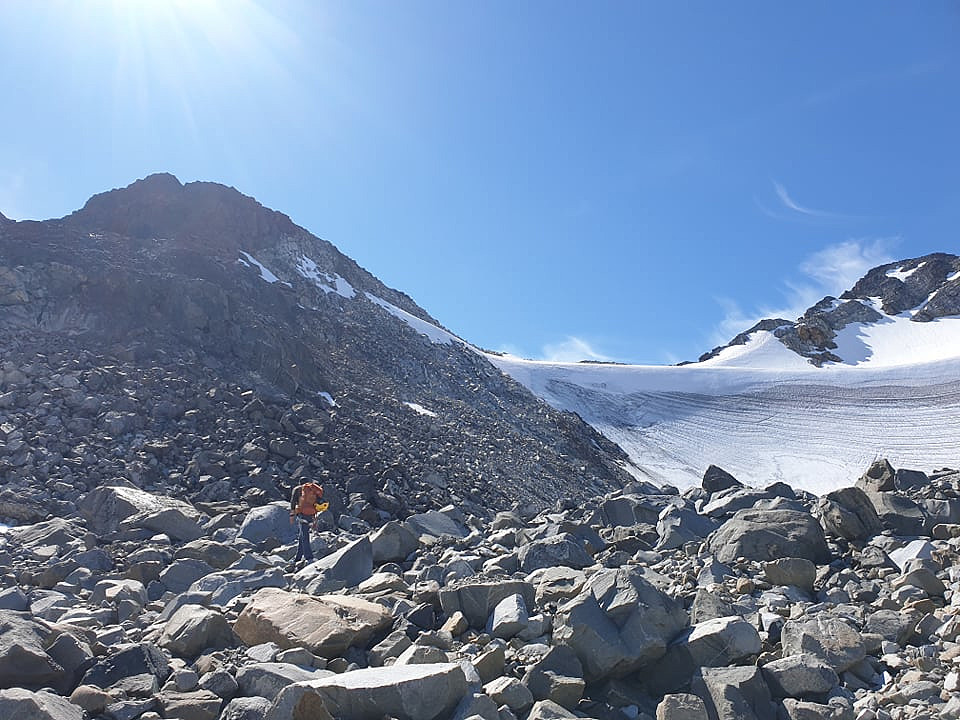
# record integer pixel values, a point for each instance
(765, 413)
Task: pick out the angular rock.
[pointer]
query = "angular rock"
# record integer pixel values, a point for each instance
(405, 692)
(831, 640)
(682, 706)
(510, 692)
(268, 679)
(678, 526)
(798, 572)
(714, 643)
(769, 535)
(196, 705)
(509, 617)
(393, 543)
(21, 704)
(734, 693)
(105, 508)
(800, 676)
(557, 676)
(347, 567)
(561, 550)
(620, 623)
(476, 600)
(23, 661)
(435, 524)
(128, 661)
(193, 629)
(716, 479)
(325, 625)
(848, 513)
(246, 708)
(269, 523)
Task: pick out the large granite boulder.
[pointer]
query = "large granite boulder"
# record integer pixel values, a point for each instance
(848, 513)
(404, 692)
(768, 535)
(194, 628)
(619, 623)
(325, 625)
(561, 550)
(21, 704)
(476, 600)
(24, 662)
(268, 523)
(830, 639)
(106, 508)
(734, 693)
(347, 567)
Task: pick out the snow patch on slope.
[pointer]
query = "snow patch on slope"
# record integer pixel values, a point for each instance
(898, 340)
(265, 273)
(328, 282)
(417, 408)
(433, 333)
(901, 274)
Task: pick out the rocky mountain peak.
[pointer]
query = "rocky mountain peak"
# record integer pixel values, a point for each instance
(159, 206)
(926, 288)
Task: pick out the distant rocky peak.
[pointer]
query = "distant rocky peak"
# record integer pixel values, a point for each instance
(909, 284)
(159, 206)
(925, 288)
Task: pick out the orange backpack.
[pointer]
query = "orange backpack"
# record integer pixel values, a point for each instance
(310, 493)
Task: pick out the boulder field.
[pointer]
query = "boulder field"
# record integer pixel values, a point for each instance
(722, 602)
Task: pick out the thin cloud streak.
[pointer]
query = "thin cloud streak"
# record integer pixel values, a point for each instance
(791, 204)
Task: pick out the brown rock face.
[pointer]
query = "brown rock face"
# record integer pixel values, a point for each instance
(326, 625)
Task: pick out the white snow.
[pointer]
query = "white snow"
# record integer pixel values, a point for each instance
(765, 414)
(901, 274)
(420, 409)
(265, 273)
(435, 334)
(328, 282)
(329, 398)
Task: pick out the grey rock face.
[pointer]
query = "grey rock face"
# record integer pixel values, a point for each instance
(561, 550)
(735, 693)
(848, 513)
(476, 600)
(23, 660)
(829, 639)
(347, 567)
(618, 624)
(769, 535)
(406, 692)
(20, 704)
(267, 680)
(800, 676)
(194, 628)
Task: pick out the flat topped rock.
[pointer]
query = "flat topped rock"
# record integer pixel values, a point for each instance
(405, 692)
(769, 535)
(325, 625)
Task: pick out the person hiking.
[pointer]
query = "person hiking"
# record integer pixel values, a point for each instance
(304, 506)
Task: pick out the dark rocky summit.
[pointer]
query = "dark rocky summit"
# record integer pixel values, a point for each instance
(139, 340)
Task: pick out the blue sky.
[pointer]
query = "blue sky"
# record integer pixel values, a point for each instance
(635, 181)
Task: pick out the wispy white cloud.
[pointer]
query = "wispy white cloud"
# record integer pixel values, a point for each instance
(572, 349)
(829, 271)
(792, 204)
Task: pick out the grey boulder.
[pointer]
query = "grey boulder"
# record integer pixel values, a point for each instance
(768, 535)
(405, 692)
